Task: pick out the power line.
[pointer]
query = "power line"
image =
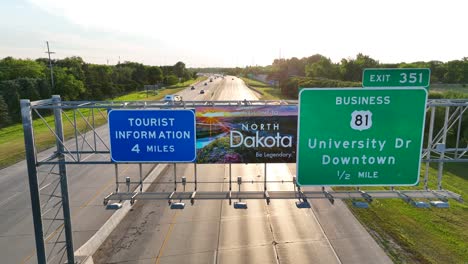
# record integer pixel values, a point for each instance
(50, 66)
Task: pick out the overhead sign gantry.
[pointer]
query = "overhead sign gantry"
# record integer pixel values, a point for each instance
(374, 117)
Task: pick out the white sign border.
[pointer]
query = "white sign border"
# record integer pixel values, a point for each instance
(396, 69)
(358, 89)
(194, 160)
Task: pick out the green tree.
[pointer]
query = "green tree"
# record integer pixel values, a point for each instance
(295, 67)
(171, 79)
(456, 72)
(99, 82)
(351, 69)
(139, 74)
(11, 69)
(154, 74)
(438, 71)
(72, 65)
(28, 88)
(5, 119)
(187, 75)
(9, 90)
(43, 88)
(323, 68)
(67, 86)
(179, 69)
(122, 78)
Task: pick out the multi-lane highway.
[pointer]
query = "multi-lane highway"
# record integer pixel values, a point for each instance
(88, 185)
(209, 231)
(215, 232)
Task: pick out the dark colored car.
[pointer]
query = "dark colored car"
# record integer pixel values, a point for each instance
(202, 91)
(193, 88)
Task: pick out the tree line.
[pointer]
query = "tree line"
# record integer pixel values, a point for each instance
(319, 71)
(75, 79)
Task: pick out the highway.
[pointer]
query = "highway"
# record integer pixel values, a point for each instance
(88, 185)
(215, 232)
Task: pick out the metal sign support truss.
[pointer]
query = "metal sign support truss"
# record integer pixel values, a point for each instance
(88, 145)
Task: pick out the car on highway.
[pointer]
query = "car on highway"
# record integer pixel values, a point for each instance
(193, 88)
(202, 91)
(173, 98)
(206, 84)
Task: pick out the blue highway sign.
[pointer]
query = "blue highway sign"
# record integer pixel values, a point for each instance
(152, 135)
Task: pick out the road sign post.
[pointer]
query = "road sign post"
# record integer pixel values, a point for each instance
(359, 137)
(152, 135)
(408, 77)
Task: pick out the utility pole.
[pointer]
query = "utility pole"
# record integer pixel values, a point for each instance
(50, 66)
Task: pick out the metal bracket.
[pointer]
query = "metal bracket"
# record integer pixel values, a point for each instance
(414, 203)
(169, 199)
(366, 196)
(132, 200)
(440, 196)
(192, 198)
(329, 196)
(405, 197)
(267, 197)
(302, 203)
(106, 199)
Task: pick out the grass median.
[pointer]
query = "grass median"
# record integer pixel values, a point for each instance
(268, 92)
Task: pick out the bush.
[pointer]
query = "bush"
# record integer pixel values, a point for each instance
(171, 79)
(294, 84)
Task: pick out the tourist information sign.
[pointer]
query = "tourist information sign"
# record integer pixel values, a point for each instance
(396, 77)
(358, 137)
(152, 135)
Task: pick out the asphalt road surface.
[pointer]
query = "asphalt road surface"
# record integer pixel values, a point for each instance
(215, 232)
(88, 185)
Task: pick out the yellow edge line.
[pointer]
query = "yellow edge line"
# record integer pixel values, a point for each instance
(96, 195)
(168, 234)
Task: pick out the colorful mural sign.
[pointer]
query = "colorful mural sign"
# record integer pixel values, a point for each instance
(246, 134)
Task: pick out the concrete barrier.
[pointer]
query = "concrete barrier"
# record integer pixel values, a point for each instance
(254, 89)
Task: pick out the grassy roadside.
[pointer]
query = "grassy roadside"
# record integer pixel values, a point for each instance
(12, 141)
(415, 235)
(457, 88)
(412, 235)
(269, 93)
(187, 83)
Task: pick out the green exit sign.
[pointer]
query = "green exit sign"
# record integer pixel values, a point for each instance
(396, 78)
(358, 137)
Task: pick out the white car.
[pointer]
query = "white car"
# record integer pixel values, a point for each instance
(174, 98)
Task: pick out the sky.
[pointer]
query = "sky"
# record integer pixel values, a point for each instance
(225, 33)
